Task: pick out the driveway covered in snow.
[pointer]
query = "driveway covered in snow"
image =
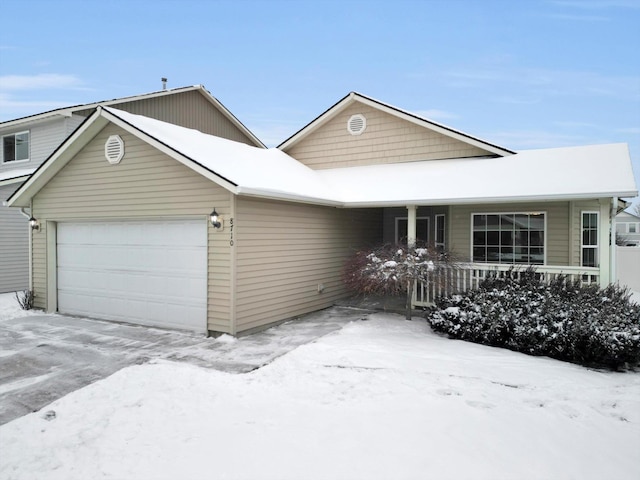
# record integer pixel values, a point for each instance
(44, 357)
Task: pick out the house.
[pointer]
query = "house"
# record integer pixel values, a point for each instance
(147, 222)
(628, 229)
(27, 142)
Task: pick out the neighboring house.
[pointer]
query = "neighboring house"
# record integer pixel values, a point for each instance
(124, 228)
(29, 141)
(628, 229)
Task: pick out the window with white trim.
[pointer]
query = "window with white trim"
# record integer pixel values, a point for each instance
(422, 230)
(633, 228)
(589, 243)
(440, 232)
(15, 147)
(517, 238)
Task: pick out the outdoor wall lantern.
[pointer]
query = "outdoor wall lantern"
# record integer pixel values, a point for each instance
(213, 218)
(34, 224)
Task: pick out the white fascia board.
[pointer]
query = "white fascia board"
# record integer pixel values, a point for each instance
(58, 159)
(449, 132)
(318, 122)
(10, 181)
(289, 197)
(186, 161)
(477, 200)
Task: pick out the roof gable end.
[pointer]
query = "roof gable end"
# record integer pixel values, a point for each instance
(354, 97)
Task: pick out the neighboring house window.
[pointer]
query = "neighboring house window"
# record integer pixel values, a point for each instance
(15, 147)
(508, 238)
(590, 239)
(422, 230)
(633, 228)
(440, 235)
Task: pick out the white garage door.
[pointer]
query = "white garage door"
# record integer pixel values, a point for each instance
(148, 272)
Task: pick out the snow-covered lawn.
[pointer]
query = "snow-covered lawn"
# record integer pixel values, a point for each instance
(383, 398)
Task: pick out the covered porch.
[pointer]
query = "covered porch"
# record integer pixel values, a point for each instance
(571, 238)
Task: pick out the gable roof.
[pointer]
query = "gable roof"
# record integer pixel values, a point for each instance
(352, 97)
(68, 111)
(532, 175)
(240, 168)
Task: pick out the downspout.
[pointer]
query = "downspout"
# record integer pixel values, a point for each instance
(614, 247)
(30, 247)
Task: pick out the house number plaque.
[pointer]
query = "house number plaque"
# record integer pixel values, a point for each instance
(231, 230)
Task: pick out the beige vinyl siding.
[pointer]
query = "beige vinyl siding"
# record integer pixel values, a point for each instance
(187, 109)
(14, 245)
(387, 139)
(146, 184)
(557, 233)
(284, 251)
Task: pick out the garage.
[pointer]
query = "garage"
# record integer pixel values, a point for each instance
(151, 272)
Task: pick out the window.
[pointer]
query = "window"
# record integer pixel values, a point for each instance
(633, 228)
(422, 230)
(440, 235)
(508, 238)
(15, 147)
(590, 239)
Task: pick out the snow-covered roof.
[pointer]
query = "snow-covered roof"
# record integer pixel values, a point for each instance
(545, 174)
(549, 174)
(13, 176)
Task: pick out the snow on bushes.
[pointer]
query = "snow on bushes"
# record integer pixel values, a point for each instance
(393, 270)
(562, 319)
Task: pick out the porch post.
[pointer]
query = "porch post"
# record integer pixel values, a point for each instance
(612, 241)
(603, 242)
(411, 225)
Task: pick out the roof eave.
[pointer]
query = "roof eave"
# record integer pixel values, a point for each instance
(10, 181)
(289, 197)
(58, 159)
(483, 200)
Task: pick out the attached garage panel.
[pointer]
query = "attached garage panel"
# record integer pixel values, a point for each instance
(147, 272)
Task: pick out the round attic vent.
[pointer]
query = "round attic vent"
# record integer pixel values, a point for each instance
(114, 149)
(356, 124)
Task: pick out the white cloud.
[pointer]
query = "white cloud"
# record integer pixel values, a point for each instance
(40, 81)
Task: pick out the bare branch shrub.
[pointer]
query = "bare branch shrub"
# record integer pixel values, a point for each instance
(25, 299)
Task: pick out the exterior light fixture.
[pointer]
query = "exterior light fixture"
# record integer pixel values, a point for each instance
(213, 218)
(34, 224)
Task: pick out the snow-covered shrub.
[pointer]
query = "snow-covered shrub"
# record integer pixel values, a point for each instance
(25, 299)
(562, 319)
(393, 270)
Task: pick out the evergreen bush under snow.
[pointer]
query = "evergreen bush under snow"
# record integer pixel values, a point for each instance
(563, 320)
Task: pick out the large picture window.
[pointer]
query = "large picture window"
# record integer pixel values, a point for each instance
(15, 147)
(508, 238)
(590, 239)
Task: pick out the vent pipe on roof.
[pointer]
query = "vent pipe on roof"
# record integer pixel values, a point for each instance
(164, 83)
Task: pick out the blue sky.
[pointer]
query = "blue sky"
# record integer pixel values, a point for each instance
(522, 74)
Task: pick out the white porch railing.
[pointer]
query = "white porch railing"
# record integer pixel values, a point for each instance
(468, 276)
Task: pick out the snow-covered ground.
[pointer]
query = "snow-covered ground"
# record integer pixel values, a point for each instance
(383, 398)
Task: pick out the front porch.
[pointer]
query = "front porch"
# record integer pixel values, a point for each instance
(569, 238)
(468, 276)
